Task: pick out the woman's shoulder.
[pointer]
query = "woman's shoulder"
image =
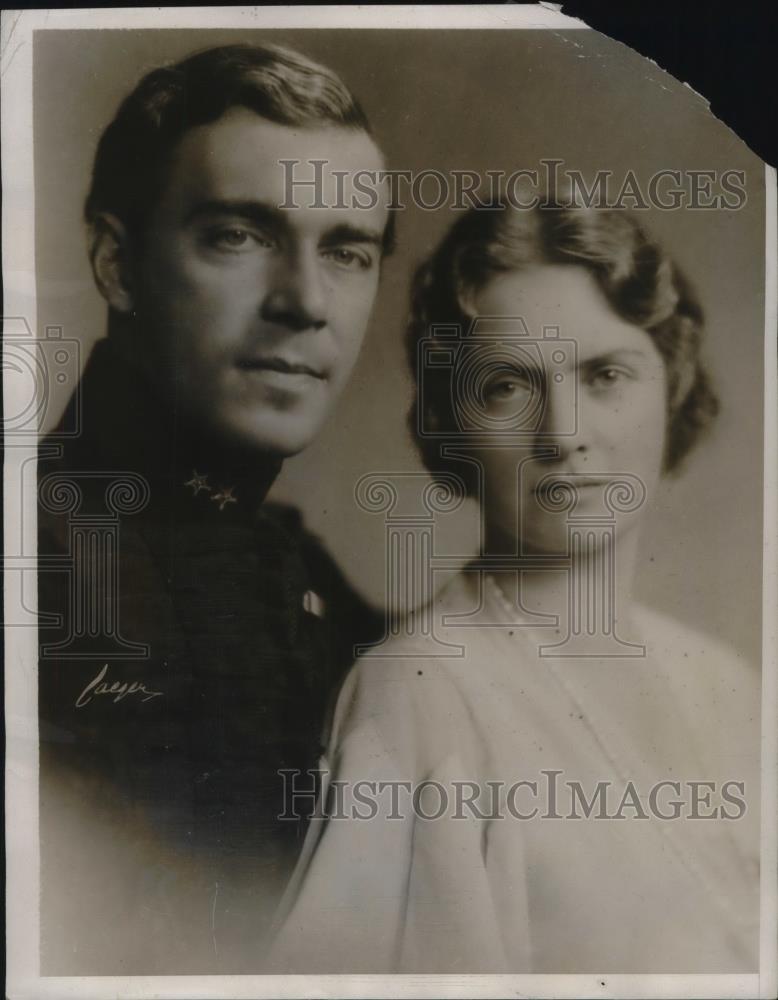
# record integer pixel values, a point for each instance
(703, 665)
(668, 634)
(410, 677)
(426, 632)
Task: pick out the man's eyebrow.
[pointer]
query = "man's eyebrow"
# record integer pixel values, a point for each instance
(264, 214)
(346, 233)
(258, 212)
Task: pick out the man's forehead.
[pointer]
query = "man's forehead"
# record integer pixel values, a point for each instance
(243, 157)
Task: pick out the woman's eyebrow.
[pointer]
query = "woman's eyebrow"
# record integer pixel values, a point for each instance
(616, 354)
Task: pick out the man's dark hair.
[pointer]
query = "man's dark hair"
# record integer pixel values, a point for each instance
(639, 280)
(277, 83)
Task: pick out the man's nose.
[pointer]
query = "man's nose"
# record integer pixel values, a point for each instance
(296, 296)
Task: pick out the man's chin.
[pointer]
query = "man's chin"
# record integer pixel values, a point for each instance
(275, 438)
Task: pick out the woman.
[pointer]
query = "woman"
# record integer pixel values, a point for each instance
(591, 765)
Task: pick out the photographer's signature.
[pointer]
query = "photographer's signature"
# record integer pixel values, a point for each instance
(116, 689)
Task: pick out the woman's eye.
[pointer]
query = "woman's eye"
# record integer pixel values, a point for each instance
(502, 390)
(506, 388)
(349, 259)
(605, 378)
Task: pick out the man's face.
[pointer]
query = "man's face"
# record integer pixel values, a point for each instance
(250, 317)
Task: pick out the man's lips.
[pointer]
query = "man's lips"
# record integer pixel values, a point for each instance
(285, 366)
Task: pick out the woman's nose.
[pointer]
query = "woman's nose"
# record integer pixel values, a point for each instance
(561, 424)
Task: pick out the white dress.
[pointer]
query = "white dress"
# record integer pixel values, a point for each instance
(635, 894)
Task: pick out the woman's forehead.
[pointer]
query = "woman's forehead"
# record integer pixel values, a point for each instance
(562, 302)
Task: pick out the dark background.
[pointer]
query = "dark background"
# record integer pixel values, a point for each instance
(725, 51)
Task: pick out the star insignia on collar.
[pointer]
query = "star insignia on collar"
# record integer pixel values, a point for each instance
(198, 482)
(224, 496)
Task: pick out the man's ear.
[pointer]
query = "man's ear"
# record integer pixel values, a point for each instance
(109, 255)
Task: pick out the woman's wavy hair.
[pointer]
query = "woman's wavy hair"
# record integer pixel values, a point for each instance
(642, 284)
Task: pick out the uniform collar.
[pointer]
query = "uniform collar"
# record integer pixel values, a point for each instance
(127, 427)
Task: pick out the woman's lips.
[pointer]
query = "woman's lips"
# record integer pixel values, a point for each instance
(572, 483)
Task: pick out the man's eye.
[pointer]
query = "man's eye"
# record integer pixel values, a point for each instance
(350, 260)
(237, 238)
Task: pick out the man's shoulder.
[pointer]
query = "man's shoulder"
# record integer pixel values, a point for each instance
(286, 517)
(290, 523)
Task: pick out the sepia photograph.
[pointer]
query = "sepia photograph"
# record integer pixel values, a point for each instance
(390, 500)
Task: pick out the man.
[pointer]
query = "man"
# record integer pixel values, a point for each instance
(187, 673)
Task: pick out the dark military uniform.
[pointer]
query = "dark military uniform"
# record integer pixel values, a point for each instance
(161, 846)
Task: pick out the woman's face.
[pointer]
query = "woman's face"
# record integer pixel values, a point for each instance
(580, 407)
